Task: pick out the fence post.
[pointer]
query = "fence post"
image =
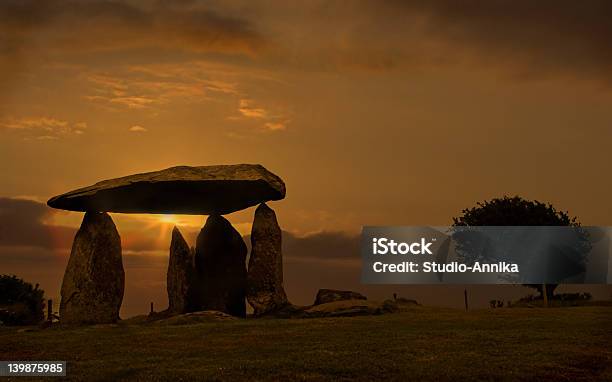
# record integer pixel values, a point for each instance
(50, 310)
(465, 299)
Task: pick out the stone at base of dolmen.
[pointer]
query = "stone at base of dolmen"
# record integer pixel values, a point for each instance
(196, 318)
(325, 296)
(92, 289)
(265, 290)
(220, 266)
(347, 308)
(181, 281)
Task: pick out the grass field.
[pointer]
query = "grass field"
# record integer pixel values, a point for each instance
(561, 344)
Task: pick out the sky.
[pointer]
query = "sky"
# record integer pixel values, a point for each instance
(373, 113)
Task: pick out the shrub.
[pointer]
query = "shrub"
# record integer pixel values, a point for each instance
(20, 302)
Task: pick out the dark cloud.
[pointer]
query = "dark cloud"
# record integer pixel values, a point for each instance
(39, 32)
(563, 35)
(523, 37)
(32, 256)
(101, 26)
(553, 36)
(538, 38)
(26, 223)
(326, 245)
(322, 245)
(22, 223)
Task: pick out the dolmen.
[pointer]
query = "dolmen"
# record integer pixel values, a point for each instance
(212, 276)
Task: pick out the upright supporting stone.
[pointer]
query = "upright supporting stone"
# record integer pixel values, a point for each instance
(220, 265)
(181, 276)
(92, 289)
(265, 290)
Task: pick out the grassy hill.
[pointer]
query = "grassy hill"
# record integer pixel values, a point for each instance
(562, 344)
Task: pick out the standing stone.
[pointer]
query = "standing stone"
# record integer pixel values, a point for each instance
(220, 265)
(181, 276)
(92, 289)
(265, 290)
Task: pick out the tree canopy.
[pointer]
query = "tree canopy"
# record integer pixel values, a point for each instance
(515, 211)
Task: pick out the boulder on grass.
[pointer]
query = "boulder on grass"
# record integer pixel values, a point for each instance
(196, 318)
(331, 295)
(345, 308)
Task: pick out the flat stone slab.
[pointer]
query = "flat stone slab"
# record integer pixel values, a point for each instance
(196, 318)
(198, 190)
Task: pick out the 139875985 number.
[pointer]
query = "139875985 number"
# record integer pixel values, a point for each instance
(39, 368)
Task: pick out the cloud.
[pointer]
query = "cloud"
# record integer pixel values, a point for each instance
(123, 92)
(24, 223)
(137, 129)
(133, 102)
(29, 223)
(42, 33)
(271, 122)
(322, 245)
(45, 123)
(79, 128)
(46, 138)
(221, 87)
(247, 109)
(155, 85)
(102, 26)
(43, 127)
(273, 126)
(561, 35)
(147, 86)
(335, 246)
(548, 37)
(543, 38)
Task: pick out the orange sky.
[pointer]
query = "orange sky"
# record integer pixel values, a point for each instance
(373, 112)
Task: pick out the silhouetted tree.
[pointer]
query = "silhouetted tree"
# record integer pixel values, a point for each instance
(516, 211)
(20, 302)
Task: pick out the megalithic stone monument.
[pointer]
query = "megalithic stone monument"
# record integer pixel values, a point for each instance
(92, 289)
(265, 290)
(207, 190)
(181, 277)
(220, 262)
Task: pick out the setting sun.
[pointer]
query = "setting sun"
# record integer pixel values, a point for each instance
(167, 219)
